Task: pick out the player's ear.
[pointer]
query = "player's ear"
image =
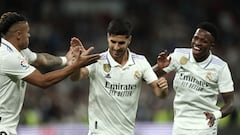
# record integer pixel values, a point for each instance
(212, 44)
(129, 39)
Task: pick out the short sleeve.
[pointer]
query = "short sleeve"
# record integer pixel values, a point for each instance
(148, 75)
(31, 56)
(16, 66)
(225, 81)
(173, 63)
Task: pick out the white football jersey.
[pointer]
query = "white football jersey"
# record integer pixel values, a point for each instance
(114, 93)
(13, 68)
(197, 85)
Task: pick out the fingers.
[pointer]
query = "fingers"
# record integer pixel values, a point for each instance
(88, 59)
(88, 51)
(76, 42)
(94, 57)
(210, 117)
(162, 83)
(163, 54)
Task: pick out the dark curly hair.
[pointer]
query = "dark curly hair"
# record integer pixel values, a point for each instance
(8, 19)
(210, 27)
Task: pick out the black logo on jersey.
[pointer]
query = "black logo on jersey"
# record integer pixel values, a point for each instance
(192, 83)
(122, 90)
(107, 76)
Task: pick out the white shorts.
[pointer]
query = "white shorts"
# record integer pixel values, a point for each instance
(209, 131)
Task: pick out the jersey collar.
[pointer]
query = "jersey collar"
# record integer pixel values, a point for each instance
(113, 63)
(204, 63)
(9, 46)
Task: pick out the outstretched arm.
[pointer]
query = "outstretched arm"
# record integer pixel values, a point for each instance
(49, 60)
(50, 78)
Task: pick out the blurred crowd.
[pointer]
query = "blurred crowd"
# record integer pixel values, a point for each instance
(158, 25)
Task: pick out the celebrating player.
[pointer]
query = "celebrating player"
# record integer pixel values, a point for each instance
(200, 77)
(115, 83)
(15, 68)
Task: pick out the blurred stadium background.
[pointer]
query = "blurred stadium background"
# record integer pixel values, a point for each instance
(158, 25)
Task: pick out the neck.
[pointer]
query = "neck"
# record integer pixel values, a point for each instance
(123, 60)
(200, 59)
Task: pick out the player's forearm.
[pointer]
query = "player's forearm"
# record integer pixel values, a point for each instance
(50, 78)
(79, 74)
(160, 88)
(161, 93)
(75, 75)
(55, 77)
(48, 60)
(226, 110)
(228, 104)
(158, 71)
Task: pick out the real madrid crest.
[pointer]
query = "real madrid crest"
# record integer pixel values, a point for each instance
(106, 67)
(137, 75)
(209, 76)
(183, 60)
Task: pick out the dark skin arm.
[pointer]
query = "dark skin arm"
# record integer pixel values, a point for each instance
(49, 60)
(50, 78)
(226, 109)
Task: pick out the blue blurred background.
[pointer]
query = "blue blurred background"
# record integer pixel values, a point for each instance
(158, 25)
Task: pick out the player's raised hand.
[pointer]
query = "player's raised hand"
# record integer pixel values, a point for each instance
(80, 54)
(86, 59)
(78, 50)
(76, 42)
(163, 60)
(71, 56)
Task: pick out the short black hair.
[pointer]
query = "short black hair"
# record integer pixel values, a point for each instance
(210, 27)
(119, 27)
(8, 19)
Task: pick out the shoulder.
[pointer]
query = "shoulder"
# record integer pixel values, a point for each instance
(179, 52)
(218, 61)
(103, 56)
(7, 54)
(182, 50)
(137, 56)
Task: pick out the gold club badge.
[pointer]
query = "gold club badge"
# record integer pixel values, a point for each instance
(209, 75)
(137, 75)
(183, 60)
(106, 67)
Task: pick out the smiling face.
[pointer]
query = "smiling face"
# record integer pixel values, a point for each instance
(202, 42)
(118, 45)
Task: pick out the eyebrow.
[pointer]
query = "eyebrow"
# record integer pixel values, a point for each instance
(119, 42)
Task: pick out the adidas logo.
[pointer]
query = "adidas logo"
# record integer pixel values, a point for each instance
(108, 76)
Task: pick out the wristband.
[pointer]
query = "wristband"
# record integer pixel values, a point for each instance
(64, 60)
(217, 114)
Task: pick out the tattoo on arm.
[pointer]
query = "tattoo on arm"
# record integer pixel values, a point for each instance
(47, 60)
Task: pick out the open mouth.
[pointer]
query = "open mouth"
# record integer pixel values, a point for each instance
(196, 48)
